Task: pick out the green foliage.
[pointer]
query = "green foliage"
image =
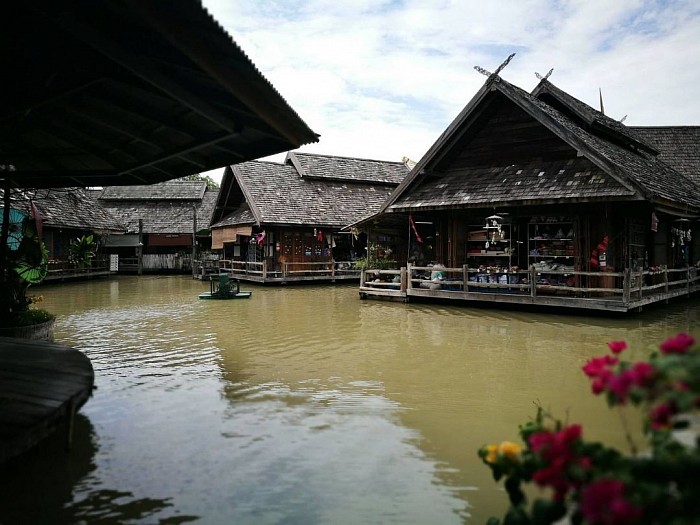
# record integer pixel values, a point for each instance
(590, 483)
(27, 318)
(211, 183)
(82, 250)
(378, 259)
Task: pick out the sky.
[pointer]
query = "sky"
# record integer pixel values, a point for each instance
(382, 79)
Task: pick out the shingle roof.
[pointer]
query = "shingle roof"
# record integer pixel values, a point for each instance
(243, 215)
(678, 146)
(164, 191)
(348, 168)
(537, 183)
(70, 208)
(638, 175)
(278, 194)
(164, 208)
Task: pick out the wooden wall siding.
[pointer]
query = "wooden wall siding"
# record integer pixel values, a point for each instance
(505, 134)
(227, 234)
(169, 240)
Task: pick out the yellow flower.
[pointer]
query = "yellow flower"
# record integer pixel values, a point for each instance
(491, 454)
(510, 450)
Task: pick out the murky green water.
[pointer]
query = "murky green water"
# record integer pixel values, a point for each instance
(304, 404)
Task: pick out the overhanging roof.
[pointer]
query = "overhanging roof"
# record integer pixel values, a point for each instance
(130, 92)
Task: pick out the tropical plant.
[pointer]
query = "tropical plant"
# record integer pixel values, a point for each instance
(23, 263)
(82, 250)
(590, 483)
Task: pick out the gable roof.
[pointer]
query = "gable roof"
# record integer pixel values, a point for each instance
(272, 193)
(131, 92)
(168, 191)
(678, 146)
(67, 208)
(347, 168)
(164, 208)
(631, 172)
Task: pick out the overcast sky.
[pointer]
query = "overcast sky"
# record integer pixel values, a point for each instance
(382, 79)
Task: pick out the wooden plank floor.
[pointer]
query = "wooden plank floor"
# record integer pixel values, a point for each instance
(42, 385)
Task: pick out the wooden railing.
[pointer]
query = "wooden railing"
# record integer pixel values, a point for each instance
(62, 268)
(298, 270)
(629, 286)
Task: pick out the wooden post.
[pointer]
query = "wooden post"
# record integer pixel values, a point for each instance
(362, 278)
(264, 275)
(687, 281)
(666, 282)
(403, 279)
(465, 277)
(409, 275)
(72, 409)
(332, 269)
(626, 286)
(533, 281)
(194, 243)
(139, 249)
(640, 283)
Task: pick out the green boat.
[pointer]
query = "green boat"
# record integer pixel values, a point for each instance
(223, 288)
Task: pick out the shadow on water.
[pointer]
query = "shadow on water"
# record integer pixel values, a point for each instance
(40, 486)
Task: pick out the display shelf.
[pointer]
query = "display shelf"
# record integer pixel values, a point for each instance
(552, 250)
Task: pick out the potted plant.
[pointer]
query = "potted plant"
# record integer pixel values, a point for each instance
(23, 262)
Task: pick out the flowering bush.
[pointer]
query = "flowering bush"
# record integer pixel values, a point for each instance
(590, 483)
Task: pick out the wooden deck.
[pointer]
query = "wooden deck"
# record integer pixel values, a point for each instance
(611, 292)
(42, 385)
(286, 273)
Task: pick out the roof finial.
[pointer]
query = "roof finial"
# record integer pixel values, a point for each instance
(600, 93)
(498, 69)
(544, 77)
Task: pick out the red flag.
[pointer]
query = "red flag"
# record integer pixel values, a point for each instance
(413, 227)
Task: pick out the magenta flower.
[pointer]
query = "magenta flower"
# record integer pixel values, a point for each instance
(603, 502)
(617, 346)
(677, 345)
(660, 415)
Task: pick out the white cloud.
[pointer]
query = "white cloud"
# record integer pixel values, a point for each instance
(384, 79)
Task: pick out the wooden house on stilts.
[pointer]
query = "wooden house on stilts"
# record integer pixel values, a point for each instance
(539, 199)
(280, 223)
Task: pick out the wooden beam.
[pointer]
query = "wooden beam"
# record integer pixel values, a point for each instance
(142, 69)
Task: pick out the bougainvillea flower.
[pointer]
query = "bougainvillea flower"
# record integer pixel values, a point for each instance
(603, 502)
(660, 415)
(617, 346)
(677, 345)
(599, 365)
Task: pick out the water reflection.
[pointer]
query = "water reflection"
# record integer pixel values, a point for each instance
(307, 405)
(51, 485)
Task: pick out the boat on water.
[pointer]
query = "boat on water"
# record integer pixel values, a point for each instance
(223, 288)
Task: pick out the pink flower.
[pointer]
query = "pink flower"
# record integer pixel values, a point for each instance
(660, 415)
(599, 365)
(617, 346)
(603, 503)
(643, 373)
(677, 345)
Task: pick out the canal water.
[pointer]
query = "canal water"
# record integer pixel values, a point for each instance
(305, 405)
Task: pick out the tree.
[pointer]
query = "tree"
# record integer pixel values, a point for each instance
(211, 183)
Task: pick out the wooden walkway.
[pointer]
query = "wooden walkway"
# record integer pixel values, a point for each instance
(42, 385)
